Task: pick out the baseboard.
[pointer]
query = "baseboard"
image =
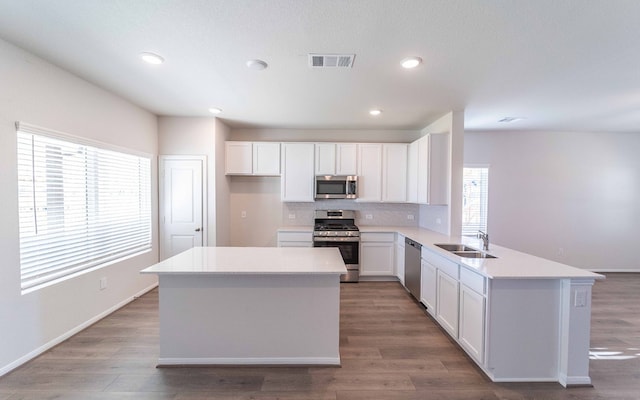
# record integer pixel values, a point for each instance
(574, 381)
(35, 353)
(378, 278)
(263, 361)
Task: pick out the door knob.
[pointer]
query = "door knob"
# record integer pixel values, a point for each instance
(197, 229)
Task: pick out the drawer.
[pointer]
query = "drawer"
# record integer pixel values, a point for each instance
(473, 280)
(377, 236)
(438, 261)
(295, 236)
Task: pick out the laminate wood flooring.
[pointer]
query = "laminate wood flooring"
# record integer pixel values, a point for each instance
(390, 350)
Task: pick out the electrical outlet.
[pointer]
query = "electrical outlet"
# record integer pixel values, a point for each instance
(103, 283)
(410, 217)
(580, 299)
(243, 214)
(292, 216)
(368, 216)
(438, 221)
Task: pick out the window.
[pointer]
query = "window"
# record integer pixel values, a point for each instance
(475, 200)
(80, 206)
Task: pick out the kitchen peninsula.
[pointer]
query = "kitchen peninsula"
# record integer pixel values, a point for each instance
(247, 305)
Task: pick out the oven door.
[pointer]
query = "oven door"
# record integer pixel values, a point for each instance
(350, 251)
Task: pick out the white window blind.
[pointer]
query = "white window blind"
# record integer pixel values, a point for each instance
(475, 194)
(80, 206)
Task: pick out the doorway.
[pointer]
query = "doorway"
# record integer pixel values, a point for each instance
(182, 191)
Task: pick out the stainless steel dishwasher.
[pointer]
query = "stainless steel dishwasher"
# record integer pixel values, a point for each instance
(412, 257)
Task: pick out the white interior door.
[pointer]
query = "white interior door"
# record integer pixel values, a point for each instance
(182, 211)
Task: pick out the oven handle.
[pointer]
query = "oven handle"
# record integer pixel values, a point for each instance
(317, 239)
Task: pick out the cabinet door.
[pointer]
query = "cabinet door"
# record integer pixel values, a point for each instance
(369, 172)
(472, 305)
(412, 172)
(447, 299)
(423, 170)
(376, 258)
(238, 158)
(428, 286)
(326, 159)
(346, 159)
(266, 158)
(394, 173)
(297, 182)
(400, 260)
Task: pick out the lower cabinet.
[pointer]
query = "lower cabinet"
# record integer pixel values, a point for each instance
(400, 258)
(428, 286)
(295, 239)
(377, 254)
(471, 333)
(447, 302)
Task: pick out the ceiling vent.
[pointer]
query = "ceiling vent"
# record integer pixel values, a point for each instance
(331, 60)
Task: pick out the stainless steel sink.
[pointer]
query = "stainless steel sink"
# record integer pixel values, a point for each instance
(455, 247)
(473, 254)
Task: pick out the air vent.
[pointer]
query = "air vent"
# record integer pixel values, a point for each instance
(331, 60)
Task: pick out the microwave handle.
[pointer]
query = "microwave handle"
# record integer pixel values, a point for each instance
(351, 187)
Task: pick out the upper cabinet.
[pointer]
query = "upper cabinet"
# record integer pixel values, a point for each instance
(394, 172)
(369, 172)
(298, 178)
(336, 159)
(428, 172)
(252, 158)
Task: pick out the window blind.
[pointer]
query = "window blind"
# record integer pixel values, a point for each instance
(475, 194)
(80, 206)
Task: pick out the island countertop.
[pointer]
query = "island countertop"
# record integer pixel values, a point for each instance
(252, 261)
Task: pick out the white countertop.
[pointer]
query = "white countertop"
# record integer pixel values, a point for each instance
(509, 264)
(252, 261)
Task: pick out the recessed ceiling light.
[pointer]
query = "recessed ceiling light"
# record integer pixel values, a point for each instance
(257, 65)
(151, 58)
(215, 110)
(510, 119)
(375, 112)
(411, 62)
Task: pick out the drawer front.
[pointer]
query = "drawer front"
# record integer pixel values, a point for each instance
(438, 261)
(377, 236)
(474, 281)
(295, 236)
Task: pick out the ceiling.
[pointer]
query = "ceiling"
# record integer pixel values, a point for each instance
(559, 64)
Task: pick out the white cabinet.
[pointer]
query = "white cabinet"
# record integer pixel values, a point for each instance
(239, 158)
(297, 182)
(433, 169)
(252, 158)
(295, 239)
(412, 172)
(394, 172)
(266, 158)
(370, 172)
(336, 159)
(428, 286)
(377, 253)
(447, 301)
(471, 333)
(399, 270)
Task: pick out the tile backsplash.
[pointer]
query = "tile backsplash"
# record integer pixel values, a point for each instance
(379, 214)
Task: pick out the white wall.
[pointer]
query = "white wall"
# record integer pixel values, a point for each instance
(39, 93)
(569, 197)
(222, 183)
(197, 136)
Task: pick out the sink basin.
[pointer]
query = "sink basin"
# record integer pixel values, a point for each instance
(455, 247)
(473, 254)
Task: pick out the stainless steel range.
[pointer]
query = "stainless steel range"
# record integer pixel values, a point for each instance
(337, 228)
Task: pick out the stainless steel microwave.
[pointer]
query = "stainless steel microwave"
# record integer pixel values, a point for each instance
(336, 187)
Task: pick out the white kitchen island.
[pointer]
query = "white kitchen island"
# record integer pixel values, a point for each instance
(250, 306)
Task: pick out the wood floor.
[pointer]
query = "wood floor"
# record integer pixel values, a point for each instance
(390, 350)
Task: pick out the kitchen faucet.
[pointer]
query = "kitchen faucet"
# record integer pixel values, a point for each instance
(485, 240)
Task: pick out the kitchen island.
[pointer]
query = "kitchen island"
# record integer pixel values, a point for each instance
(250, 306)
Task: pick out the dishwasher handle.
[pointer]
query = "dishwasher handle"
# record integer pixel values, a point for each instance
(412, 243)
